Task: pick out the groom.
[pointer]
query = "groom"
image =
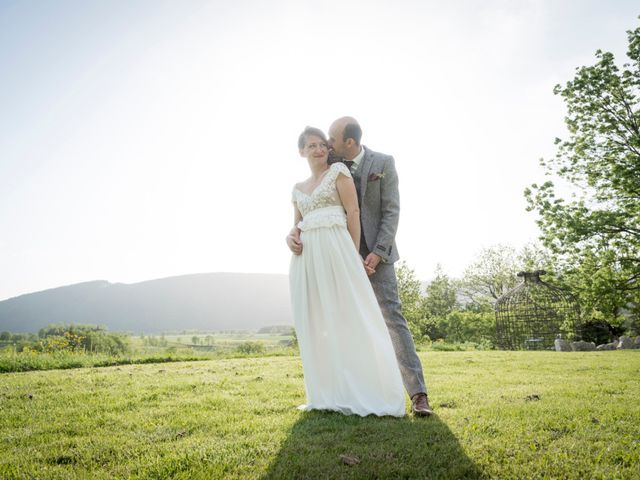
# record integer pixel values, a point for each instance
(377, 185)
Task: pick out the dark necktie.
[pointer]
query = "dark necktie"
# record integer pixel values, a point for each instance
(348, 163)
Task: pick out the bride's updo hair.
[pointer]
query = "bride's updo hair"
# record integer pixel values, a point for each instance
(307, 132)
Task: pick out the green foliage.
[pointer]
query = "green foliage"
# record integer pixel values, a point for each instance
(438, 302)
(293, 343)
(440, 296)
(67, 341)
(79, 338)
(111, 343)
(592, 280)
(469, 326)
(19, 340)
(251, 348)
(154, 341)
(494, 272)
(599, 332)
(410, 293)
(437, 315)
(55, 352)
(29, 360)
(60, 329)
(595, 235)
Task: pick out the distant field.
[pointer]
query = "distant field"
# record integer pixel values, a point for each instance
(228, 339)
(503, 415)
(153, 349)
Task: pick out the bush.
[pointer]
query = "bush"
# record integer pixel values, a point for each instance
(469, 326)
(111, 343)
(598, 331)
(251, 348)
(75, 339)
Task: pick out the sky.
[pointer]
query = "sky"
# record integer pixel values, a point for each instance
(147, 139)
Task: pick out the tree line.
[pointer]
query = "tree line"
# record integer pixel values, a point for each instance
(462, 310)
(75, 338)
(589, 237)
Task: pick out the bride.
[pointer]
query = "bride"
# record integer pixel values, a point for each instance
(347, 356)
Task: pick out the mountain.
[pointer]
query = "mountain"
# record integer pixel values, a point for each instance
(204, 301)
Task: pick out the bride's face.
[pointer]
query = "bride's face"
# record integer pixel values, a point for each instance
(315, 149)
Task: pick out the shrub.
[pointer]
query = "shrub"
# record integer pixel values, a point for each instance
(250, 348)
(469, 326)
(598, 331)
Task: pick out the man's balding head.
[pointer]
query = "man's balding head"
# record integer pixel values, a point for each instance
(344, 137)
(350, 128)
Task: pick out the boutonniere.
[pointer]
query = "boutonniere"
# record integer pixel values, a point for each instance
(375, 176)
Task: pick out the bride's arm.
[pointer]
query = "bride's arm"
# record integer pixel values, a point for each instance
(293, 239)
(349, 198)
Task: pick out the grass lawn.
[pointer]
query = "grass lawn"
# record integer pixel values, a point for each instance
(499, 415)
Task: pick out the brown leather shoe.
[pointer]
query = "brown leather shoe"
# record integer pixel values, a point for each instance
(420, 405)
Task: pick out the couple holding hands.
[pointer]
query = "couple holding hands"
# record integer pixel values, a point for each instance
(355, 345)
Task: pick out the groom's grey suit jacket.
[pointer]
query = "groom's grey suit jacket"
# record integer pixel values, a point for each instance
(377, 185)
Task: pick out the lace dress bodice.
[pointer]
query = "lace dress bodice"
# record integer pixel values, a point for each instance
(322, 208)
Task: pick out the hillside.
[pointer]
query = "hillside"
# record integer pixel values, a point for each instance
(205, 301)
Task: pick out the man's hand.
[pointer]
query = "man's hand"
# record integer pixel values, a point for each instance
(293, 241)
(371, 262)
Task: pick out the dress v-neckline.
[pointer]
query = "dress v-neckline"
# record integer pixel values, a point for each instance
(317, 186)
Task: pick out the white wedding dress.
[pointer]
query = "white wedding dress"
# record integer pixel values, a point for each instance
(347, 357)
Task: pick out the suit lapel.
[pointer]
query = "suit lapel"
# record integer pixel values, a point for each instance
(365, 168)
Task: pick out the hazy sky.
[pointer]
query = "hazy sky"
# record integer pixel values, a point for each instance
(146, 139)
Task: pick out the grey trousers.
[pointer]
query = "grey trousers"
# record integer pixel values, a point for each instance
(385, 286)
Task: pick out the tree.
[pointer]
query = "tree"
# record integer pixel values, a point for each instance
(495, 270)
(410, 293)
(440, 298)
(492, 275)
(424, 311)
(439, 301)
(600, 160)
(591, 281)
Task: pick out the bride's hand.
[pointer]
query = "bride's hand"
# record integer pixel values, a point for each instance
(370, 271)
(372, 261)
(294, 243)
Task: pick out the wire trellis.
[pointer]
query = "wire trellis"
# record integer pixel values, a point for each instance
(534, 314)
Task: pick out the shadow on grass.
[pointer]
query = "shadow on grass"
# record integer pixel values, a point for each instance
(383, 448)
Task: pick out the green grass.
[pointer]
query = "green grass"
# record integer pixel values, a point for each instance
(499, 415)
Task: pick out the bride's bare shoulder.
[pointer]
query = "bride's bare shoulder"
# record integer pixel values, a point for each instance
(302, 184)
